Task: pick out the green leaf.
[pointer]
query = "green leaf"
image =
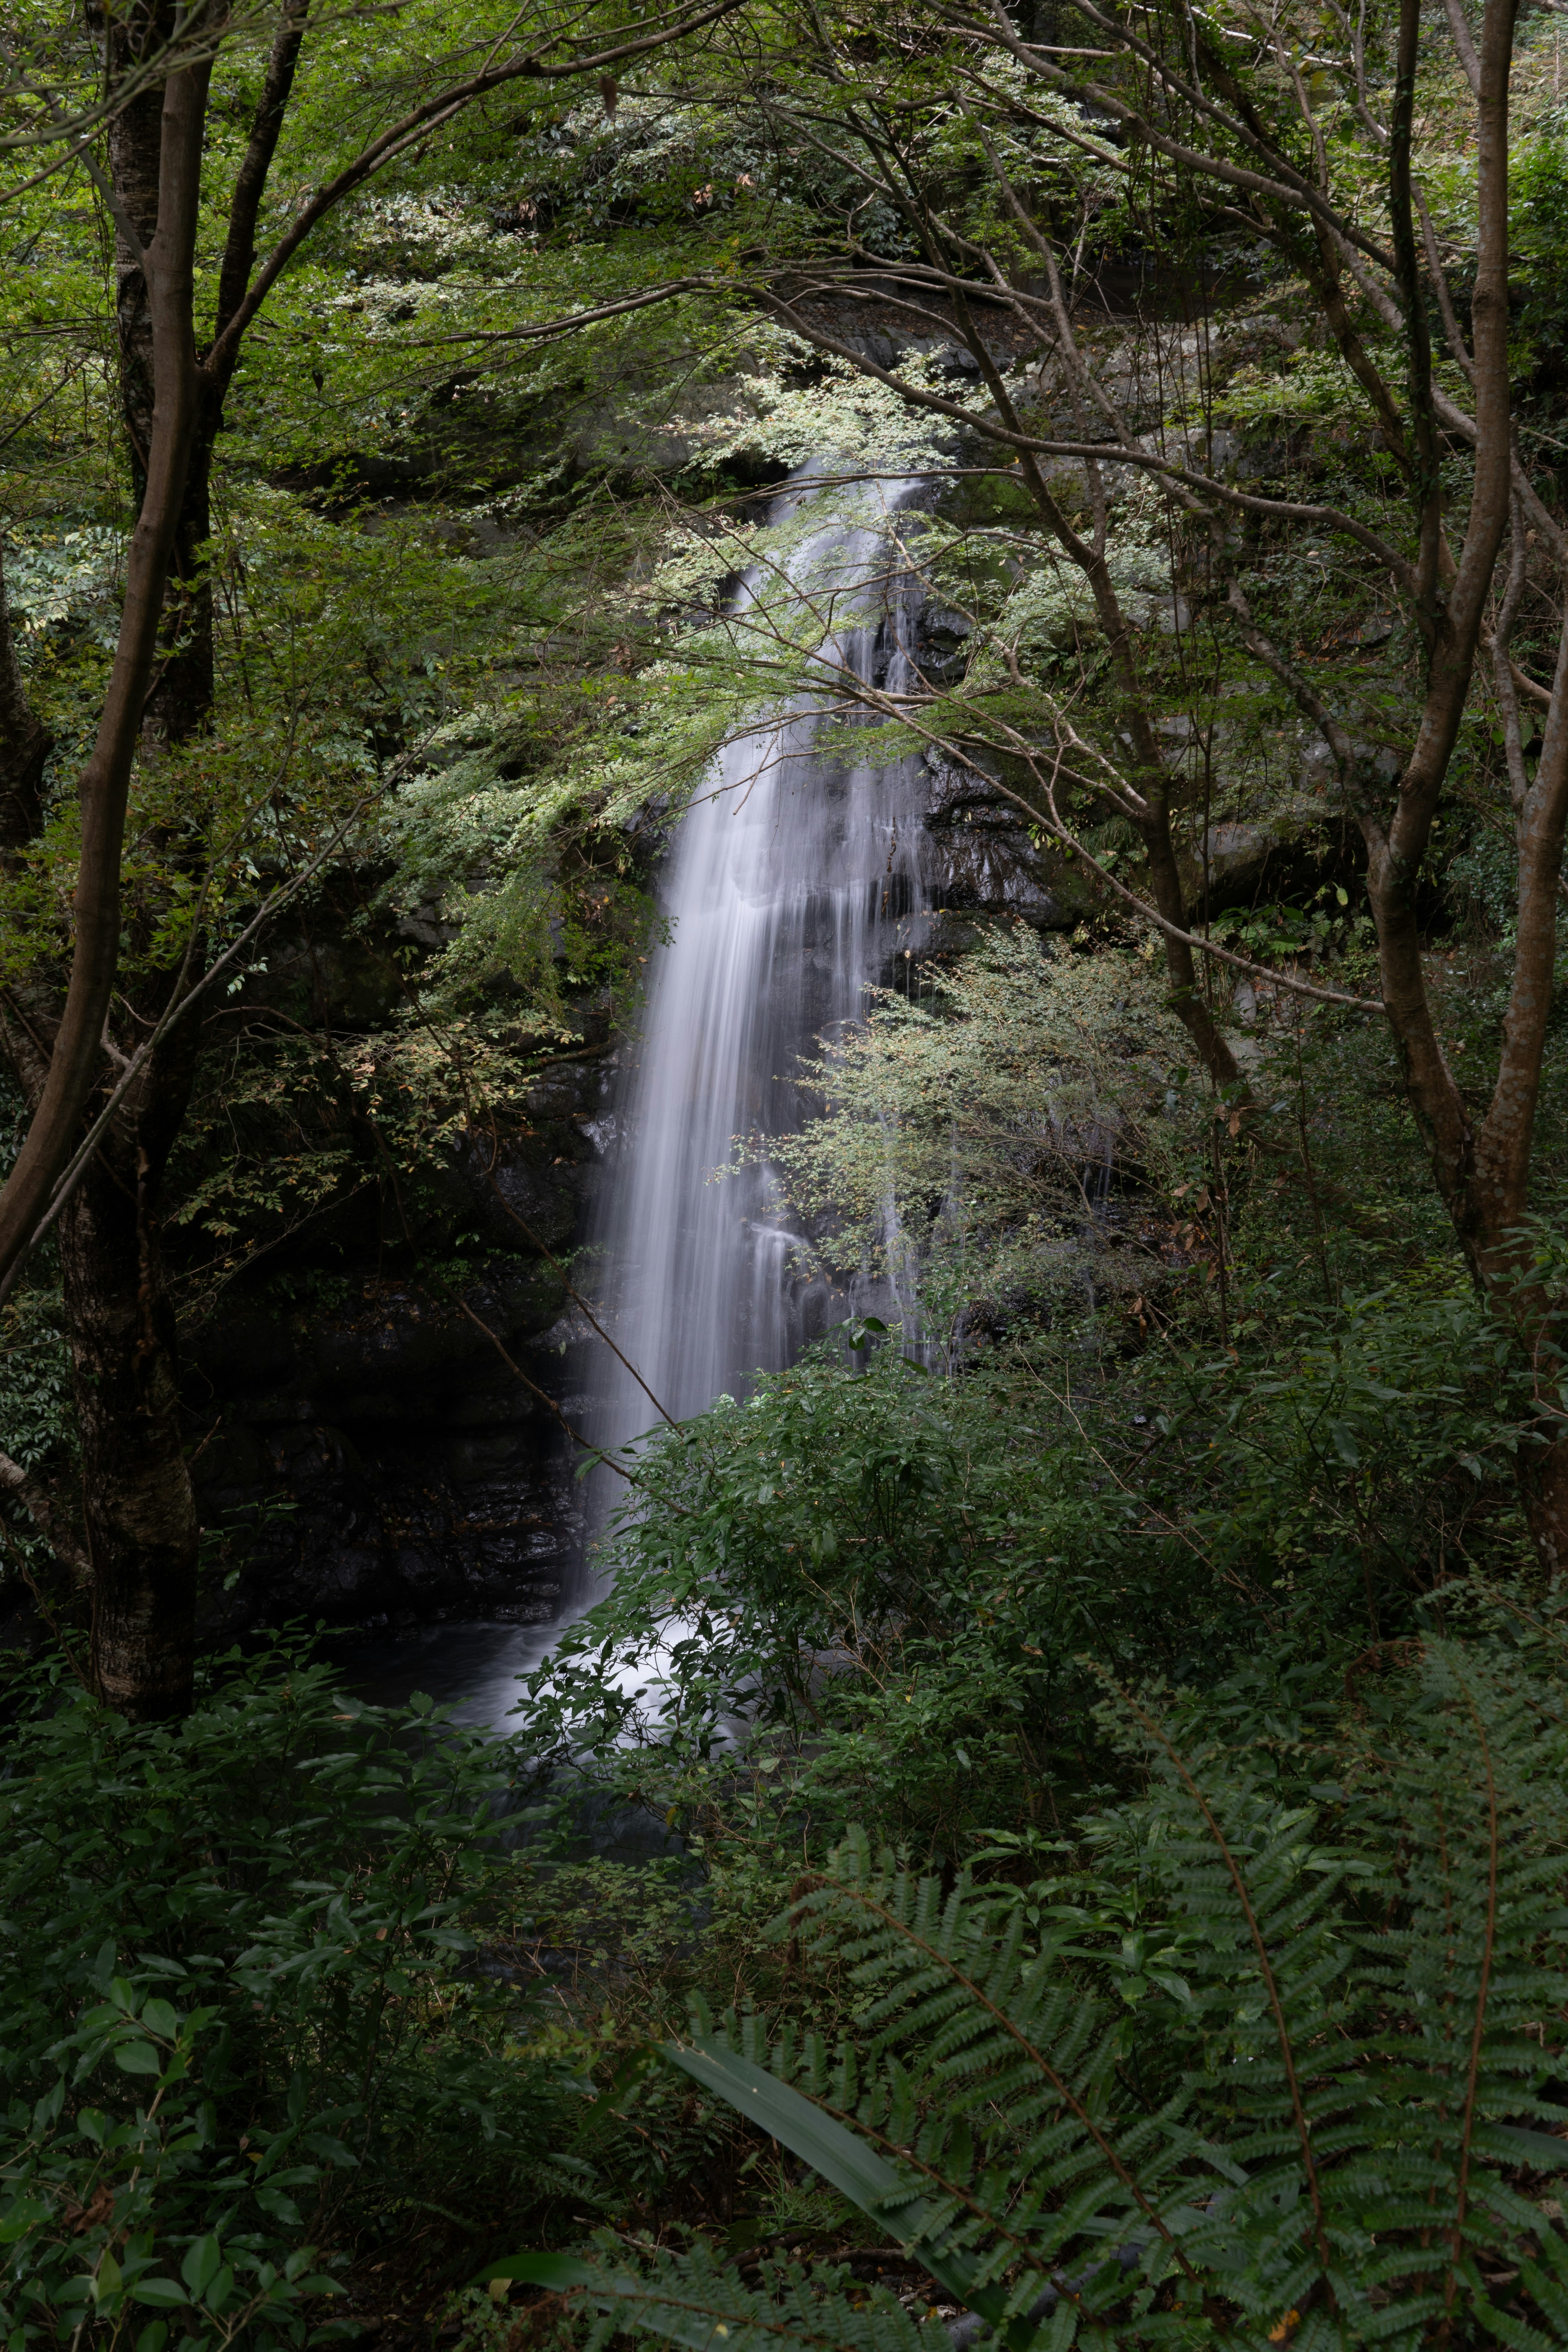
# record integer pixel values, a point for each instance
(219, 2295)
(691, 2302)
(204, 2260)
(558, 2274)
(19, 2221)
(163, 2294)
(844, 2161)
(1543, 2151)
(137, 2057)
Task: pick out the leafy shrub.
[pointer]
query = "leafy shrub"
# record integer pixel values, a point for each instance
(1317, 2109)
(1538, 231)
(883, 1597)
(36, 1414)
(239, 2008)
(992, 1164)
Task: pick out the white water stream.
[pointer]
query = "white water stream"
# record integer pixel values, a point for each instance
(789, 887)
(793, 885)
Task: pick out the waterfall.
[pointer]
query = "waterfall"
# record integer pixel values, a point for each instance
(793, 881)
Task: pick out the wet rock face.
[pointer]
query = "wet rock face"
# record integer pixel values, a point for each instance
(362, 1451)
(980, 859)
(1295, 834)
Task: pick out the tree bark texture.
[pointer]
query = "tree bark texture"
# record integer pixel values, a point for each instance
(181, 694)
(138, 1507)
(76, 1047)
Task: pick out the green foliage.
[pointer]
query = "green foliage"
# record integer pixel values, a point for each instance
(966, 1171)
(36, 1412)
(1288, 1938)
(35, 1377)
(692, 2298)
(1388, 1435)
(893, 1591)
(1537, 232)
(239, 2008)
(1334, 2122)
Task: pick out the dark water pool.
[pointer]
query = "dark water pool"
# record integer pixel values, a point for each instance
(479, 1670)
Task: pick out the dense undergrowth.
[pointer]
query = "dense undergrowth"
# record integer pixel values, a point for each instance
(1103, 1762)
(1210, 1719)
(1098, 1743)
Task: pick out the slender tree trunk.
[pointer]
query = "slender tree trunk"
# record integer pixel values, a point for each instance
(1482, 1167)
(77, 1054)
(139, 1555)
(139, 1510)
(1543, 1483)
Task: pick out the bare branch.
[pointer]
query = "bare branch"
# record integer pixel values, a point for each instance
(1464, 44)
(45, 1516)
(1502, 667)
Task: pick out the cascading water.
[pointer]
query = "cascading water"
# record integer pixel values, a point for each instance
(794, 877)
(793, 882)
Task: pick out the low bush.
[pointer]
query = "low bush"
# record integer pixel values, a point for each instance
(245, 2018)
(1282, 2065)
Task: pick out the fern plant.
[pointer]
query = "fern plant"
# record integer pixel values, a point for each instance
(1331, 2128)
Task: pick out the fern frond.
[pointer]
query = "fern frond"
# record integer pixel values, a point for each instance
(692, 2298)
(1326, 2134)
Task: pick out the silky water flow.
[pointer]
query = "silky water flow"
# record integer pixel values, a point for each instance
(792, 883)
(792, 886)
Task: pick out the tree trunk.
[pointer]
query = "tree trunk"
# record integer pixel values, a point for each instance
(77, 1048)
(138, 1507)
(1543, 1484)
(140, 1513)
(180, 700)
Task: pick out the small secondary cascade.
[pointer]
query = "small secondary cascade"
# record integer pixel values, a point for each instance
(794, 877)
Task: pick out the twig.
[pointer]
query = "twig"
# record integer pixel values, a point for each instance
(524, 1227)
(171, 1014)
(534, 1390)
